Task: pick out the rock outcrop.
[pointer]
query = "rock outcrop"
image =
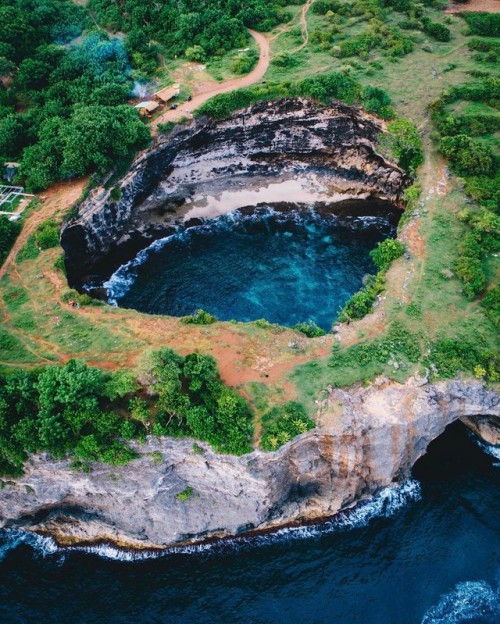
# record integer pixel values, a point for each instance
(268, 141)
(367, 439)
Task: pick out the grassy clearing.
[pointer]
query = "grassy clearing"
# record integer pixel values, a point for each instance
(413, 80)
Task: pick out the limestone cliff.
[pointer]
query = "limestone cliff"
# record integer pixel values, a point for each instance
(367, 438)
(268, 141)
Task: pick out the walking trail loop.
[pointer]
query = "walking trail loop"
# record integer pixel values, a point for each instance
(208, 91)
(303, 25)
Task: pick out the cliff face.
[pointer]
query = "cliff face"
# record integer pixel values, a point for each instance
(367, 438)
(272, 140)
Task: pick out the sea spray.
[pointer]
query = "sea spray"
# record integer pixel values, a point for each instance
(387, 503)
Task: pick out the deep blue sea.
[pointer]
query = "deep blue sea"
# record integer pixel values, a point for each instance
(424, 553)
(286, 267)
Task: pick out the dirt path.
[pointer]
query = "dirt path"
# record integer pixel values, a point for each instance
(55, 201)
(208, 91)
(487, 6)
(303, 24)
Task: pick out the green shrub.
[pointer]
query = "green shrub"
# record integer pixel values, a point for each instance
(411, 196)
(470, 270)
(435, 30)
(165, 128)
(377, 101)
(9, 231)
(360, 304)
(281, 424)
(196, 54)
(286, 60)
(490, 50)
(406, 144)
(467, 156)
(491, 305)
(309, 329)
(200, 317)
(115, 194)
(385, 252)
(185, 494)
(82, 299)
(483, 24)
(244, 62)
(450, 356)
(47, 235)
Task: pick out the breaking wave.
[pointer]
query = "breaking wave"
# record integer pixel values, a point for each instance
(385, 504)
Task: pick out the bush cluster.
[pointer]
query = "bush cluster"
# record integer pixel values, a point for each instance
(435, 30)
(488, 51)
(200, 317)
(191, 400)
(309, 329)
(405, 143)
(282, 423)
(361, 303)
(90, 414)
(323, 88)
(61, 409)
(467, 156)
(477, 164)
(398, 342)
(333, 85)
(449, 356)
(385, 252)
(9, 231)
(483, 24)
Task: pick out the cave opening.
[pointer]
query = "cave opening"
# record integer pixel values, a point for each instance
(286, 263)
(453, 454)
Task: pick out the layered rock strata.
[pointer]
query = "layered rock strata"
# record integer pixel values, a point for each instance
(367, 439)
(283, 140)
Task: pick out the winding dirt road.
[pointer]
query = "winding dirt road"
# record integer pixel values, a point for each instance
(206, 92)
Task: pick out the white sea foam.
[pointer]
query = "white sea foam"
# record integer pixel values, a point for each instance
(468, 600)
(13, 538)
(385, 504)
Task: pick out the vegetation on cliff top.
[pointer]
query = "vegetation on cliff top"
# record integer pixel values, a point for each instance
(90, 414)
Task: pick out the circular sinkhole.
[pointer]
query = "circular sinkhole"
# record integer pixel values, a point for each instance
(287, 266)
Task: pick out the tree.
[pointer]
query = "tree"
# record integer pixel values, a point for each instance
(406, 144)
(467, 156)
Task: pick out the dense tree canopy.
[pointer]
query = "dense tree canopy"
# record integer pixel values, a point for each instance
(62, 107)
(213, 25)
(90, 414)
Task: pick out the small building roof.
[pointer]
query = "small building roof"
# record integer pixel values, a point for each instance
(167, 93)
(150, 105)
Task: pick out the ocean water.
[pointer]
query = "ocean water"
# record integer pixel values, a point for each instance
(285, 267)
(426, 552)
